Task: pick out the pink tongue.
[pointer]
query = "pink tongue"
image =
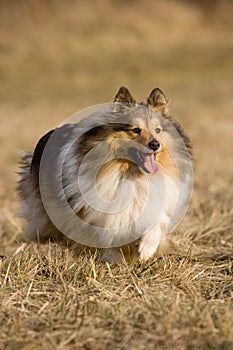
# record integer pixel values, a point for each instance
(150, 163)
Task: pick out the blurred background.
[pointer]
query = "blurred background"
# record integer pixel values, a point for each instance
(57, 57)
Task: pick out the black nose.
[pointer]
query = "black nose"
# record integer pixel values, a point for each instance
(154, 145)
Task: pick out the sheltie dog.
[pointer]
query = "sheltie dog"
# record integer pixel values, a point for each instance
(120, 177)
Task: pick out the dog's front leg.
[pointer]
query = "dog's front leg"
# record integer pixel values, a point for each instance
(150, 243)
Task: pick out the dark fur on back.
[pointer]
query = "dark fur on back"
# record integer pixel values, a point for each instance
(36, 158)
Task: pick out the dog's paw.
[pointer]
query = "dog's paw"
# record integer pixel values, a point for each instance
(149, 244)
(146, 250)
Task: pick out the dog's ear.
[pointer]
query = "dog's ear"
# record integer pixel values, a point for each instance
(124, 96)
(158, 102)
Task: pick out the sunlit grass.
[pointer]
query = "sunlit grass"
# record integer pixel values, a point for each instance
(59, 57)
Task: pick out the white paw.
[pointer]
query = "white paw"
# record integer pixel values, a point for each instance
(149, 244)
(146, 250)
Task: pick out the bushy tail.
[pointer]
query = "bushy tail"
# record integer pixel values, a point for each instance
(31, 208)
(24, 185)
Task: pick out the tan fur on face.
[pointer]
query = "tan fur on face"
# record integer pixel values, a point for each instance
(167, 163)
(143, 138)
(120, 142)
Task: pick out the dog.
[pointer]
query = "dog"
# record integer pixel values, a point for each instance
(123, 172)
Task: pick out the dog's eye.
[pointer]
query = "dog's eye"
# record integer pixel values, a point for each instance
(137, 130)
(158, 130)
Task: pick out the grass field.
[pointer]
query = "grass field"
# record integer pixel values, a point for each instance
(58, 57)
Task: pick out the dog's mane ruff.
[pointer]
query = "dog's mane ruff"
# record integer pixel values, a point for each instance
(114, 185)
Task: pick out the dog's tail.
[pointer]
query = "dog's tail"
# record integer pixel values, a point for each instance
(39, 226)
(23, 187)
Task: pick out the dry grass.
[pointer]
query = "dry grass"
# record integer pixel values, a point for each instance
(58, 57)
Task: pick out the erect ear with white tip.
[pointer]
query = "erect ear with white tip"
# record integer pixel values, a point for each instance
(158, 102)
(124, 96)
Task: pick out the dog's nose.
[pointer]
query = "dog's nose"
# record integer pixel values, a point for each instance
(154, 145)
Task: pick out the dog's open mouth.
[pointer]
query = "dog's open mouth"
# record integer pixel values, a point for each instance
(145, 160)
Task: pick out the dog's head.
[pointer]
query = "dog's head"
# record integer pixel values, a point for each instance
(141, 136)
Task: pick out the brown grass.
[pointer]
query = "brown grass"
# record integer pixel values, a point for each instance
(58, 57)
